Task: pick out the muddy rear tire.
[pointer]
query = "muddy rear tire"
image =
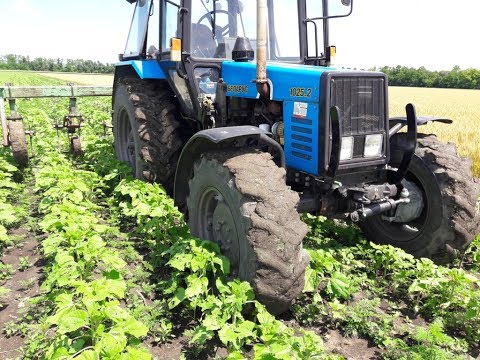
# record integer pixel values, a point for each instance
(240, 201)
(148, 130)
(18, 142)
(450, 219)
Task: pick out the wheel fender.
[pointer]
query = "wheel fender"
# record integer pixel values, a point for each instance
(217, 139)
(145, 69)
(421, 120)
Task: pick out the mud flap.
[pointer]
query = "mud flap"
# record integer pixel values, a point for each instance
(406, 147)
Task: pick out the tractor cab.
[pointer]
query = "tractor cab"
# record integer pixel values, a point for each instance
(200, 35)
(297, 30)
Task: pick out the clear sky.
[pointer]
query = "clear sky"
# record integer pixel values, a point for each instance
(437, 34)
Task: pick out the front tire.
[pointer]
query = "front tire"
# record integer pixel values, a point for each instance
(449, 220)
(240, 201)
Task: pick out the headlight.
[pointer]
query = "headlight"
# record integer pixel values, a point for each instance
(373, 145)
(346, 151)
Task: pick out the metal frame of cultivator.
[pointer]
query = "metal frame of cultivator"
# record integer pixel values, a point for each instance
(14, 134)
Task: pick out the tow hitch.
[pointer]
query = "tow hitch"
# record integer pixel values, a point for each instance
(381, 207)
(377, 209)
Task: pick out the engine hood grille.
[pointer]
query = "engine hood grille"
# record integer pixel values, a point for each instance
(361, 101)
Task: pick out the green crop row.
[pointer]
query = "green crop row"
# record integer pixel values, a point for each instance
(84, 284)
(8, 188)
(196, 274)
(351, 285)
(8, 218)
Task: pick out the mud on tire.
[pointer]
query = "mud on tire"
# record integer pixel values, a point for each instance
(451, 195)
(148, 130)
(245, 193)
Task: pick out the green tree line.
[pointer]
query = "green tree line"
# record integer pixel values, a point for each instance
(397, 76)
(421, 77)
(20, 62)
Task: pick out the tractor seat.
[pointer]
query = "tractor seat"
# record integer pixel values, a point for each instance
(203, 43)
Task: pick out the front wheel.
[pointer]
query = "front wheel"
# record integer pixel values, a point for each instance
(240, 201)
(442, 218)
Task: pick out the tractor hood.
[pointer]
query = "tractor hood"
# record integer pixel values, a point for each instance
(307, 94)
(287, 81)
(298, 87)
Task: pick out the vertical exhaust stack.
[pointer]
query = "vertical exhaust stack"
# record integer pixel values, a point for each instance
(262, 83)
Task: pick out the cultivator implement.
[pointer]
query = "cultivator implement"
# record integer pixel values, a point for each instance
(13, 129)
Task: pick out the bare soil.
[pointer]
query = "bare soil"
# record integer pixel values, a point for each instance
(23, 285)
(351, 348)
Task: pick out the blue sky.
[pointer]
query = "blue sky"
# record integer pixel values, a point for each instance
(380, 32)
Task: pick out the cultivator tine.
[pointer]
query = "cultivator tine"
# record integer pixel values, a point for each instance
(56, 126)
(105, 127)
(73, 122)
(30, 134)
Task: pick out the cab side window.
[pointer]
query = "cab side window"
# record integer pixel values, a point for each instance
(138, 30)
(153, 33)
(169, 30)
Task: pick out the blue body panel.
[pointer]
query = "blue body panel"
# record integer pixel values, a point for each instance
(149, 69)
(301, 138)
(298, 87)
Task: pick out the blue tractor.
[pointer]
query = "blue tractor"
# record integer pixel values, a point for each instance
(236, 108)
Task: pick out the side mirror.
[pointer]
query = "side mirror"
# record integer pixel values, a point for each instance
(240, 7)
(339, 8)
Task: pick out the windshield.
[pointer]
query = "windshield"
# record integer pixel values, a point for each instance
(217, 24)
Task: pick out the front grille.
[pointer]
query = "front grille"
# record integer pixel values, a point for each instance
(361, 101)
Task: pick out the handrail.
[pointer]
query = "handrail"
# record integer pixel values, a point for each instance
(28, 92)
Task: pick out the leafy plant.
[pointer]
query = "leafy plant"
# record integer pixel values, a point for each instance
(26, 284)
(365, 319)
(23, 263)
(428, 343)
(3, 293)
(6, 271)
(10, 329)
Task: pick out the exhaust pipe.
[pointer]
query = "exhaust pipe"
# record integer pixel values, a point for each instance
(262, 83)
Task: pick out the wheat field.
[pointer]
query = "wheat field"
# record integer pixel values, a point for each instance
(462, 106)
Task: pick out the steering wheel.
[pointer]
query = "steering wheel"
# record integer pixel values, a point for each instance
(222, 30)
